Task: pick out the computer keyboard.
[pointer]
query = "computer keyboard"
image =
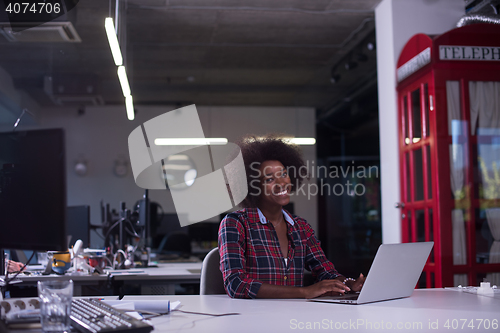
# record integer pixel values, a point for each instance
(92, 315)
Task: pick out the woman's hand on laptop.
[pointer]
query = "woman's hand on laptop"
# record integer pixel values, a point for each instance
(355, 284)
(326, 288)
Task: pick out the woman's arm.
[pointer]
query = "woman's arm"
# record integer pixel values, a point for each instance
(232, 240)
(334, 286)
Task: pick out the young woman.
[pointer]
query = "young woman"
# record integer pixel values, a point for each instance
(264, 249)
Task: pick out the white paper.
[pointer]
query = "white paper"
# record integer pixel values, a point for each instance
(174, 305)
(158, 306)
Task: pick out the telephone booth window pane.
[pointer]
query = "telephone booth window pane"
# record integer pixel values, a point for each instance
(459, 237)
(457, 170)
(485, 123)
(416, 113)
(488, 152)
(405, 117)
(485, 231)
(429, 172)
(427, 108)
(418, 171)
(408, 180)
(453, 104)
(420, 220)
(458, 159)
(484, 107)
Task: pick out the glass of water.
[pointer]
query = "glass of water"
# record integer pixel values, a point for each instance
(55, 305)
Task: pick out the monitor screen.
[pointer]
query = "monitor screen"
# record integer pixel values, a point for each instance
(78, 226)
(33, 190)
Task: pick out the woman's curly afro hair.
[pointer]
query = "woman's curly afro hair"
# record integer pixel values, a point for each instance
(272, 147)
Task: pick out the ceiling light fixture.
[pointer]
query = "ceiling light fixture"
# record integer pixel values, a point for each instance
(178, 158)
(129, 106)
(301, 141)
(290, 140)
(113, 41)
(117, 56)
(122, 76)
(190, 141)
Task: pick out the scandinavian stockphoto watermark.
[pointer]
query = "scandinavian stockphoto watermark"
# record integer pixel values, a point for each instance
(205, 179)
(332, 180)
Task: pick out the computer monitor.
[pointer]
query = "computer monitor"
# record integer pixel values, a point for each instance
(162, 227)
(78, 226)
(33, 190)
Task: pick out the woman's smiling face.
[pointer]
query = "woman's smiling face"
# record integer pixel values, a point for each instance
(275, 184)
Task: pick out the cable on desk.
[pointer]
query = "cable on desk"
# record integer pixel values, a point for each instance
(196, 313)
(211, 314)
(192, 323)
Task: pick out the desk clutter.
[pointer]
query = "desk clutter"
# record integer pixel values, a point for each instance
(79, 261)
(165, 279)
(88, 314)
(484, 289)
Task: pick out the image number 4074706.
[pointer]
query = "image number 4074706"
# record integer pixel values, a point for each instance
(24, 14)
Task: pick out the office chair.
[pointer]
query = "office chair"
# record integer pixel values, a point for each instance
(211, 282)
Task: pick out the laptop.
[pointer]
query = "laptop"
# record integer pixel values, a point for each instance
(394, 274)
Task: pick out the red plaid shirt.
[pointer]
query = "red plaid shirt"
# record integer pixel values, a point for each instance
(251, 255)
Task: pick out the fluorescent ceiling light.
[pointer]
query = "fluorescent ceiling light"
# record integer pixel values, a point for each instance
(178, 158)
(301, 141)
(177, 167)
(295, 141)
(190, 141)
(129, 106)
(113, 41)
(122, 76)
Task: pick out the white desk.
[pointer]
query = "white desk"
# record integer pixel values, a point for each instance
(422, 312)
(161, 280)
(153, 280)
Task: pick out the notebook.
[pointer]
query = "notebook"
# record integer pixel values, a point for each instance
(394, 274)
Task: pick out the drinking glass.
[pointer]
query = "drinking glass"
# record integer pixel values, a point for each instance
(55, 305)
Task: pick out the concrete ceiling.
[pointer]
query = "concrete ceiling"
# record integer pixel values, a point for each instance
(208, 52)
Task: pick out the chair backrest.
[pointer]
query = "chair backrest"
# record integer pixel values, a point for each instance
(211, 282)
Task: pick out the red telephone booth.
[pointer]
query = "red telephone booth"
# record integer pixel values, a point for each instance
(449, 142)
